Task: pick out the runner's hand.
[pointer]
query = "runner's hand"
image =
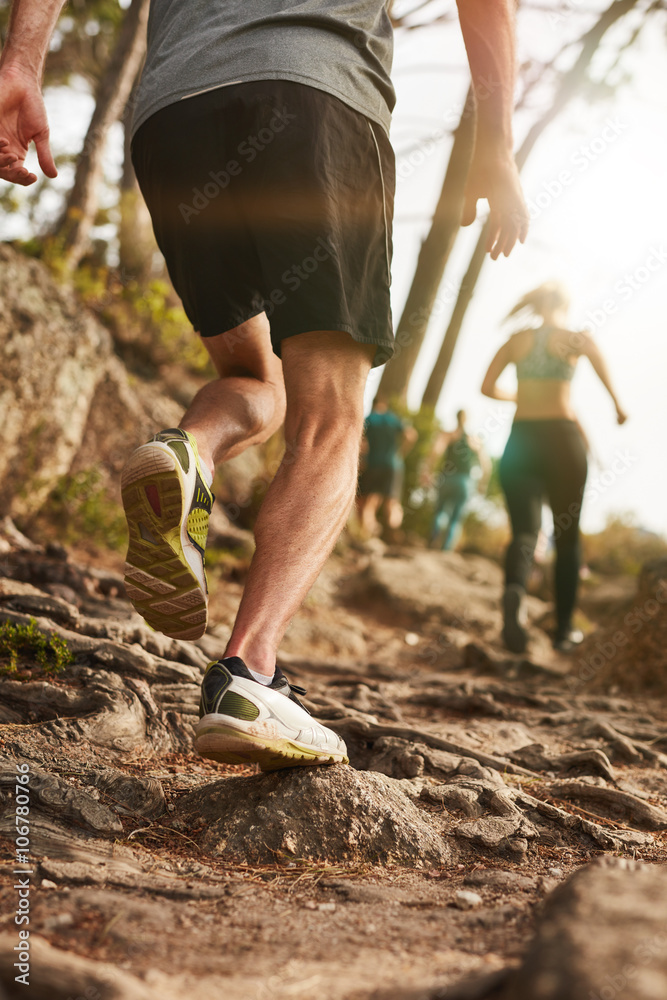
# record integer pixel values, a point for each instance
(22, 121)
(494, 176)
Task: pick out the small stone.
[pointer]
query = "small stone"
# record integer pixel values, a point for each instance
(464, 900)
(555, 872)
(326, 907)
(58, 921)
(310, 904)
(411, 639)
(496, 879)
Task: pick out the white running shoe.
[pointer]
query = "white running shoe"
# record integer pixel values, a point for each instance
(243, 721)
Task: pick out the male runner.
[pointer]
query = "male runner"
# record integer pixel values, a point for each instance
(387, 439)
(261, 146)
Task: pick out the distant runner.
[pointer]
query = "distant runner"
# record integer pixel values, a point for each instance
(461, 455)
(545, 456)
(387, 439)
(261, 147)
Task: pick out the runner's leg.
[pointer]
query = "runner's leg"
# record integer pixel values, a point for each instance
(522, 483)
(455, 525)
(246, 403)
(310, 498)
(567, 467)
(369, 507)
(394, 513)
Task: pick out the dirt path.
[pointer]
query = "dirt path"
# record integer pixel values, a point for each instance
(478, 783)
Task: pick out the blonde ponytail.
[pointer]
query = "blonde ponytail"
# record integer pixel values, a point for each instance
(544, 299)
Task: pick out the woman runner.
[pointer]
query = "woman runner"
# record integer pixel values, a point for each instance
(546, 454)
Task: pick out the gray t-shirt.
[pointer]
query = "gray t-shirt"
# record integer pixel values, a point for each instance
(342, 48)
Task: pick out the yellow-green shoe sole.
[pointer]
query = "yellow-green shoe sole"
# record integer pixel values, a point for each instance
(158, 580)
(228, 745)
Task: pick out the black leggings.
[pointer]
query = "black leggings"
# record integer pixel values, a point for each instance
(545, 459)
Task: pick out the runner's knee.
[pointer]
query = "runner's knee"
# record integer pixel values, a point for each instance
(325, 429)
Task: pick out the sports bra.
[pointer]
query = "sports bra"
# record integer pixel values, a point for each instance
(540, 363)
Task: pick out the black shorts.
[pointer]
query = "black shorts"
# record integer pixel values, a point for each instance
(387, 480)
(273, 196)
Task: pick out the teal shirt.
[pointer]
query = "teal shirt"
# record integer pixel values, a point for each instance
(384, 433)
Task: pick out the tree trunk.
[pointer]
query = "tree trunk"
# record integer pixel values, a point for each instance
(136, 243)
(432, 259)
(441, 367)
(569, 86)
(78, 217)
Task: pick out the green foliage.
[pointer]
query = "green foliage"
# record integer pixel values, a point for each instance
(146, 319)
(80, 507)
(156, 309)
(485, 535)
(622, 547)
(494, 491)
(26, 642)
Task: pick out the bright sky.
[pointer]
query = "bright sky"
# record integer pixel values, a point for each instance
(602, 232)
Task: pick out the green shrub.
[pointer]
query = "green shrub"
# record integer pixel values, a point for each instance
(79, 506)
(21, 642)
(622, 547)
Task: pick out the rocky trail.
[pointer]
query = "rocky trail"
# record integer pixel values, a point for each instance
(500, 831)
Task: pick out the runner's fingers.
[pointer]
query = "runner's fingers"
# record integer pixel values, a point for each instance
(18, 175)
(494, 232)
(44, 154)
(469, 213)
(509, 242)
(510, 235)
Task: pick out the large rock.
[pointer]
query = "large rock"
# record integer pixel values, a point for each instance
(66, 402)
(69, 407)
(602, 936)
(413, 585)
(54, 354)
(320, 813)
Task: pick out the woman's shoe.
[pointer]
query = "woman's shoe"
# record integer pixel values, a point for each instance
(515, 636)
(565, 642)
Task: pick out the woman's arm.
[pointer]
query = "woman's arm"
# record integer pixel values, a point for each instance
(594, 355)
(500, 362)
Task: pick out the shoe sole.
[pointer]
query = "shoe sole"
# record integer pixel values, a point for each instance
(160, 584)
(226, 744)
(514, 634)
